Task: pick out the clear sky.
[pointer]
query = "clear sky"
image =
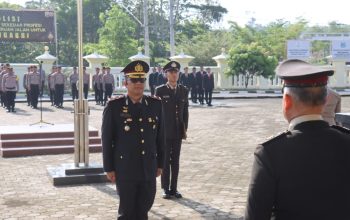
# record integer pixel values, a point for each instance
(265, 11)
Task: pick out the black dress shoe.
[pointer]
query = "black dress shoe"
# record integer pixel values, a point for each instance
(166, 194)
(176, 194)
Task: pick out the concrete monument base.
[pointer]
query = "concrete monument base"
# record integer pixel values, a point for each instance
(68, 174)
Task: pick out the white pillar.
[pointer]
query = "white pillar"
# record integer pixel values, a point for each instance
(224, 82)
(47, 60)
(340, 74)
(183, 59)
(95, 60)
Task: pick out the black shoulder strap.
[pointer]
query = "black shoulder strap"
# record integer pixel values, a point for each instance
(341, 129)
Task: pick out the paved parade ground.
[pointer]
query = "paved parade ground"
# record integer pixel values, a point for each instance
(215, 165)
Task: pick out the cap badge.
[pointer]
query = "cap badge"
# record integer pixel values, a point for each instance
(173, 64)
(139, 68)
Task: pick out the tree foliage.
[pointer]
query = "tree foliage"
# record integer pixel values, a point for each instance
(112, 27)
(272, 37)
(206, 45)
(251, 60)
(117, 37)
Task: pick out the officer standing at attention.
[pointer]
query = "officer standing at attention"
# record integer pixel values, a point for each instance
(159, 72)
(185, 79)
(208, 84)
(161, 77)
(86, 81)
(3, 71)
(107, 85)
(152, 80)
(175, 104)
(10, 87)
(42, 79)
(192, 79)
(25, 75)
(51, 85)
(58, 81)
(199, 84)
(34, 84)
(103, 72)
(132, 143)
(73, 79)
(96, 85)
(303, 173)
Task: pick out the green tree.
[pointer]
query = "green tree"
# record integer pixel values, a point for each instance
(206, 45)
(9, 5)
(116, 37)
(251, 60)
(272, 37)
(206, 12)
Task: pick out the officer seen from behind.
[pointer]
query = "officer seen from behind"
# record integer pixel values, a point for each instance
(302, 173)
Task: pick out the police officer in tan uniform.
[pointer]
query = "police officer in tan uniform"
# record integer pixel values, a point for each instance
(73, 79)
(86, 81)
(107, 85)
(51, 85)
(25, 78)
(10, 87)
(34, 84)
(96, 85)
(58, 81)
(3, 71)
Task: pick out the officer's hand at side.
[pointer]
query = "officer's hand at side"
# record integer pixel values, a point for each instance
(159, 172)
(184, 136)
(111, 176)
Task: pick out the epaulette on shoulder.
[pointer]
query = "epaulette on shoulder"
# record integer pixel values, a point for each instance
(116, 97)
(341, 129)
(276, 137)
(161, 86)
(154, 97)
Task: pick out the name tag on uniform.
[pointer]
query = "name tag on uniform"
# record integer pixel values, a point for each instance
(125, 115)
(166, 96)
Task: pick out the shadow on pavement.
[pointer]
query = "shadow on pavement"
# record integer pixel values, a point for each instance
(105, 188)
(207, 211)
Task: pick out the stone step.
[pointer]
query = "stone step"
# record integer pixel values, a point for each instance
(54, 134)
(32, 151)
(41, 139)
(19, 143)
